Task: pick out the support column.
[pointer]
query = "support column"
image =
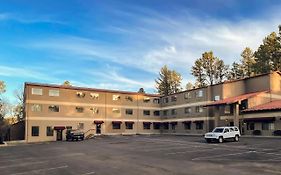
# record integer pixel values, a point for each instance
(236, 114)
(217, 115)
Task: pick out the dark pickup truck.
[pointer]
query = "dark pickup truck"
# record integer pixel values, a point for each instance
(74, 135)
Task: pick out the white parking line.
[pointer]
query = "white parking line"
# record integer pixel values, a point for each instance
(40, 170)
(190, 151)
(89, 173)
(222, 155)
(23, 164)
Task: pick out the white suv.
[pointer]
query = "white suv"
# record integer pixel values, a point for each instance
(222, 133)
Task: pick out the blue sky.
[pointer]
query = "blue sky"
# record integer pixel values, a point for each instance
(122, 44)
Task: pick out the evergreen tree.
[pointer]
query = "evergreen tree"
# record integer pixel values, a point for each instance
(168, 82)
(209, 69)
(248, 61)
(268, 54)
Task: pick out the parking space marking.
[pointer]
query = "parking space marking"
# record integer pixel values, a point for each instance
(89, 173)
(190, 151)
(13, 160)
(23, 164)
(273, 171)
(222, 155)
(41, 170)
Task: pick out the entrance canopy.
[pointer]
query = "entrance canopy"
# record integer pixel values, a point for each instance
(98, 122)
(59, 127)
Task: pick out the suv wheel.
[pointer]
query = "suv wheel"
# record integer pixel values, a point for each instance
(236, 138)
(220, 140)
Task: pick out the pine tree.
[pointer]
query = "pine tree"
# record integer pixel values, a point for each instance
(168, 82)
(248, 61)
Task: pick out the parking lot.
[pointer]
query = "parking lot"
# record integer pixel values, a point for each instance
(144, 155)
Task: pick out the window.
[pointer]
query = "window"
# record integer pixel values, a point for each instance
(174, 98)
(146, 99)
(129, 111)
(174, 111)
(199, 109)
(95, 110)
(165, 112)
(146, 112)
(80, 94)
(199, 125)
(187, 95)
(116, 125)
(156, 113)
(251, 126)
(68, 128)
(199, 93)
(54, 108)
(49, 131)
(187, 125)
(116, 110)
(187, 110)
(79, 109)
(116, 97)
(173, 125)
(227, 109)
(129, 125)
(166, 126)
(129, 98)
(156, 126)
(267, 126)
(156, 100)
(54, 93)
(166, 100)
(217, 98)
(226, 130)
(36, 108)
(94, 96)
(35, 130)
(146, 125)
(80, 126)
(36, 91)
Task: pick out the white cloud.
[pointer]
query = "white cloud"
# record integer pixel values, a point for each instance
(157, 39)
(25, 73)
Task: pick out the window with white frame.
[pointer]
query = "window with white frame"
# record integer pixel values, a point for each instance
(116, 97)
(129, 98)
(199, 93)
(187, 110)
(36, 91)
(146, 112)
(174, 98)
(173, 111)
(54, 108)
(199, 109)
(94, 96)
(187, 95)
(217, 98)
(129, 111)
(116, 110)
(227, 109)
(156, 100)
(79, 109)
(54, 93)
(146, 99)
(36, 107)
(80, 94)
(95, 110)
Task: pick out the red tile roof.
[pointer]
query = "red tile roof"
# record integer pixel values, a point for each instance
(235, 99)
(274, 105)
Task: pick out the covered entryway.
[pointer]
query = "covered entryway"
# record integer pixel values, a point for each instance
(59, 130)
(98, 126)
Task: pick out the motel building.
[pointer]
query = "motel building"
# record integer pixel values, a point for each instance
(253, 104)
